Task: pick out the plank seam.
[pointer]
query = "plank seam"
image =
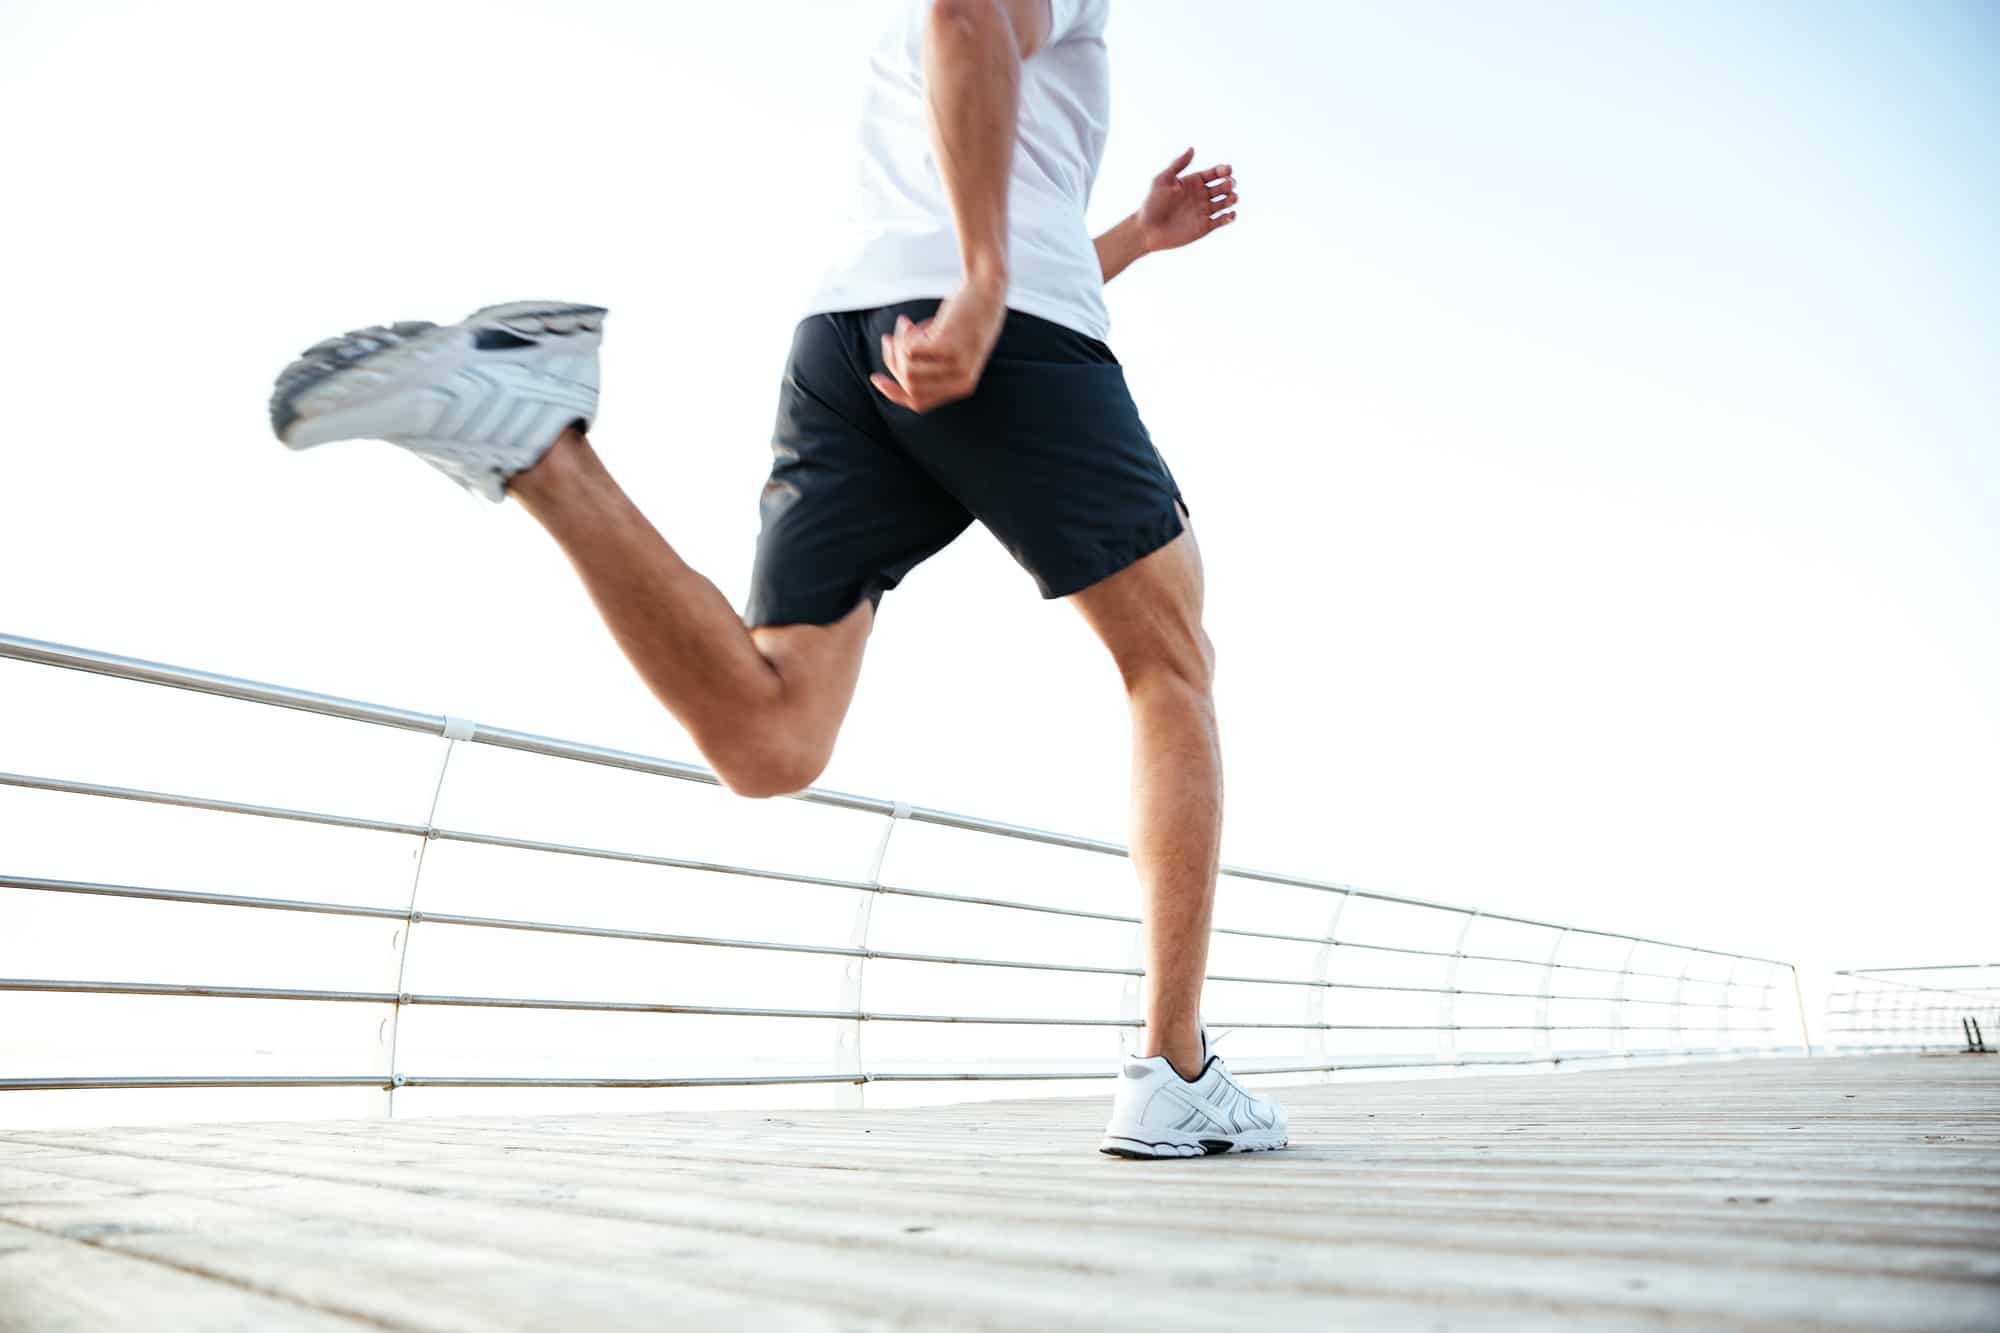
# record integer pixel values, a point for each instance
(221, 1279)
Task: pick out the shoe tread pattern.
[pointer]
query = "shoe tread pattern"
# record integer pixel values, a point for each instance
(331, 356)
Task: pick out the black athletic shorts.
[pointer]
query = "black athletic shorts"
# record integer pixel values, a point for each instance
(1048, 453)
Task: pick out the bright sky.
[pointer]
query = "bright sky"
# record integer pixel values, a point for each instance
(1590, 426)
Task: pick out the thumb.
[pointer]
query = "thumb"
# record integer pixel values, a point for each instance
(1177, 166)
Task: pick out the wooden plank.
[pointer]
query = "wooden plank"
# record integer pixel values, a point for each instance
(56, 1284)
(365, 1266)
(1564, 1161)
(1465, 1265)
(1848, 1193)
(1961, 1209)
(727, 1276)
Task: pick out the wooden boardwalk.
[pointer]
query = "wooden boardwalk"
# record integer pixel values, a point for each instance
(1830, 1193)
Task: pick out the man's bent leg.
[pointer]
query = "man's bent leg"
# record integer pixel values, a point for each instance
(1149, 616)
(763, 705)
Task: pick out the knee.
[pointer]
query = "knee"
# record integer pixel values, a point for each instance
(768, 766)
(1183, 666)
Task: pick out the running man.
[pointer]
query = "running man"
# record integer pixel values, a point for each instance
(951, 367)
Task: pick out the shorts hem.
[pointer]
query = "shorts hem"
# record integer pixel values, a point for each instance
(1144, 540)
(812, 611)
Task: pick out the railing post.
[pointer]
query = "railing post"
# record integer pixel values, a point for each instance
(1618, 1000)
(847, 1056)
(390, 1034)
(1322, 972)
(1798, 991)
(1448, 1002)
(1767, 1010)
(1544, 1033)
(1680, 1004)
(1860, 1028)
(1722, 1011)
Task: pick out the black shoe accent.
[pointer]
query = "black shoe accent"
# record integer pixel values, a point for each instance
(1110, 1149)
(1211, 1059)
(500, 340)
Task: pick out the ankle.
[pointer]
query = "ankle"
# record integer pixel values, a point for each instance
(1180, 1044)
(558, 469)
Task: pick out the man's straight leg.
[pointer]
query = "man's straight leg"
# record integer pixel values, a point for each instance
(1175, 1097)
(1149, 616)
(763, 705)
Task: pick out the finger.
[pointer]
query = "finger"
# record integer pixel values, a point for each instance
(1223, 186)
(923, 345)
(1177, 166)
(934, 379)
(1218, 175)
(925, 351)
(896, 360)
(931, 386)
(891, 390)
(1221, 202)
(1221, 220)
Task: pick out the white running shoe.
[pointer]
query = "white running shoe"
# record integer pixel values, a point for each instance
(480, 400)
(1157, 1113)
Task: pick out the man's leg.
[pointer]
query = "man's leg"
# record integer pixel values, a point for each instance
(1149, 616)
(763, 705)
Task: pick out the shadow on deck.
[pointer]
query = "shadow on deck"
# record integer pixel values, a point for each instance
(1837, 1193)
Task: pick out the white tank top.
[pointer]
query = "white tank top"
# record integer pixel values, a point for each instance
(899, 243)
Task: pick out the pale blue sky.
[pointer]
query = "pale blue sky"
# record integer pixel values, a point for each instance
(1591, 425)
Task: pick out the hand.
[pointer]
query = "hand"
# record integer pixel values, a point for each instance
(1180, 209)
(941, 359)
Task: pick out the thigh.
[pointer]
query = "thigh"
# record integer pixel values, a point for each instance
(1149, 613)
(1050, 454)
(846, 514)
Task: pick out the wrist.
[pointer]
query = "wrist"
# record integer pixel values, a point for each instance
(1140, 240)
(986, 275)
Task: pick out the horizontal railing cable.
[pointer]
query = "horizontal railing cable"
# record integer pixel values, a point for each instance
(1887, 1010)
(86, 1082)
(1916, 967)
(187, 801)
(156, 673)
(88, 889)
(67, 986)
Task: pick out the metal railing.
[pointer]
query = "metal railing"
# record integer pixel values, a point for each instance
(1560, 993)
(1937, 1007)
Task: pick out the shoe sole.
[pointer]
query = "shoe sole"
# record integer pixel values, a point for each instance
(1187, 1145)
(349, 370)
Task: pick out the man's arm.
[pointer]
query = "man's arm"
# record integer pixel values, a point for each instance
(973, 51)
(1177, 210)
